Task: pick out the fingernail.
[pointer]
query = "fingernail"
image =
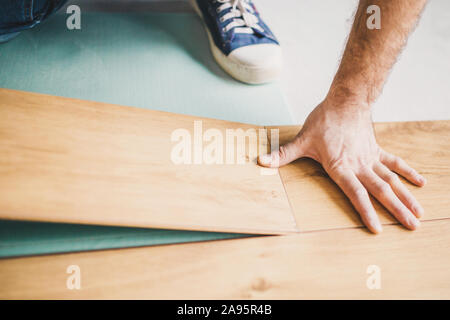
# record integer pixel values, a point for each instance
(265, 159)
(422, 180)
(414, 222)
(418, 210)
(377, 226)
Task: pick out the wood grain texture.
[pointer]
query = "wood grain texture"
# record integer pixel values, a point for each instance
(319, 204)
(75, 161)
(327, 265)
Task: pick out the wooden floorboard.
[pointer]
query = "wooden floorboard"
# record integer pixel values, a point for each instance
(75, 161)
(329, 264)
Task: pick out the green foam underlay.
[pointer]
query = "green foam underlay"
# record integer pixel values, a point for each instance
(19, 238)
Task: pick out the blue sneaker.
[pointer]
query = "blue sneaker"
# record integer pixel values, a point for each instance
(240, 41)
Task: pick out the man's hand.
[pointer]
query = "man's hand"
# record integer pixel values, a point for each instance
(341, 138)
(339, 132)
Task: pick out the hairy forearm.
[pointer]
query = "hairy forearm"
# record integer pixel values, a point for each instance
(370, 53)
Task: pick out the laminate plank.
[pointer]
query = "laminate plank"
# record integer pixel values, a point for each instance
(74, 161)
(319, 204)
(330, 264)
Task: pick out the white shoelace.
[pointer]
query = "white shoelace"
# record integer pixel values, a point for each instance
(241, 15)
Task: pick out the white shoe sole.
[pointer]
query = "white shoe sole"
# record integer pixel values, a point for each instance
(244, 73)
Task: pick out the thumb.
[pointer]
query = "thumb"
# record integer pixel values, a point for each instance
(285, 154)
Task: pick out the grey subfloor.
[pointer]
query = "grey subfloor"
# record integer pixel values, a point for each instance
(313, 35)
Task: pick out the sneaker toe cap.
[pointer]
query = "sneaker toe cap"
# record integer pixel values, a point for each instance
(257, 56)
